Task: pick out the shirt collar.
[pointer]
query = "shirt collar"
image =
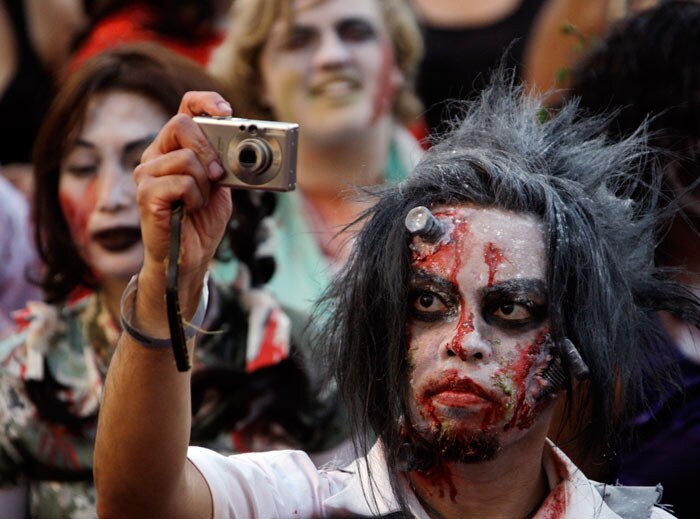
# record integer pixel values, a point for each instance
(360, 498)
(572, 494)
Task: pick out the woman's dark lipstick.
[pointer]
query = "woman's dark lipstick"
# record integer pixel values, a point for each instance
(117, 239)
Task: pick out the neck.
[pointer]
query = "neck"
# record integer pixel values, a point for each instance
(328, 168)
(111, 294)
(513, 485)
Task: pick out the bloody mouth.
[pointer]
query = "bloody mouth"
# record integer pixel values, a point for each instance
(118, 239)
(458, 399)
(453, 391)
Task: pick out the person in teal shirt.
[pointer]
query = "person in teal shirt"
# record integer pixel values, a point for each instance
(345, 73)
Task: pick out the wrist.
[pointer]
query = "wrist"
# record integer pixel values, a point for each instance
(148, 329)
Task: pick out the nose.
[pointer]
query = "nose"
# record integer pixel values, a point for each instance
(468, 344)
(331, 51)
(115, 189)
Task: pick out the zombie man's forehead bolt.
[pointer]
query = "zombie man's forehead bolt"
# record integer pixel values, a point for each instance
(421, 222)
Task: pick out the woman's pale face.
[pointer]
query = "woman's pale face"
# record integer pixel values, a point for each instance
(96, 188)
(479, 331)
(334, 72)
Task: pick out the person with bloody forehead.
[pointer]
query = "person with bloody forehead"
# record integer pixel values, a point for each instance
(505, 272)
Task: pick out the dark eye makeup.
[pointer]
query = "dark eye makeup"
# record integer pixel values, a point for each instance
(432, 298)
(80, 171)
(298, 37)
(356, 30)
(518, 304)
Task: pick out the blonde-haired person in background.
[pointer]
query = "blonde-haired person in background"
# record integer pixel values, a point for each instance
(345, 72)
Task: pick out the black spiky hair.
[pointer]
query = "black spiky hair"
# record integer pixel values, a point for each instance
(507, 152)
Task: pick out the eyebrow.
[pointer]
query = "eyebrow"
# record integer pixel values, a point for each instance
(420, 277)
(529, 287)
(128, 148)
(140, 143)
(338, 23)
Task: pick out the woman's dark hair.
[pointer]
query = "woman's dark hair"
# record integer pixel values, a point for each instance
(511, 154)
(647, 67)
(143, 68)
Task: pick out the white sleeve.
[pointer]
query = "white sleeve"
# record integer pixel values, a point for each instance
(265, 485)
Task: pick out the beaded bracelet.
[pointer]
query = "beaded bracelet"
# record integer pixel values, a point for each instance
(127, 311)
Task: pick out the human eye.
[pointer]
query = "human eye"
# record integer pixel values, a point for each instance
(512, 307)
(356, 31)
(513, 315)
(132, 152)
(512, 312)
(131, 160)
(298, 38)
(81, 170)
(81, 161)
(429, 305)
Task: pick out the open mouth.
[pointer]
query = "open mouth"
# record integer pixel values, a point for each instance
(335, 88)
(118, 239)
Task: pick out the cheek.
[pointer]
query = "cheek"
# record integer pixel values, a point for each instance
(77, 206)
(520, 379)
(421, 343)
(285, 96)
(386, 84)
(280, 79)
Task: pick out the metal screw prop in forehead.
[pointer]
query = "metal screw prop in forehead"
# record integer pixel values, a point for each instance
(421, 222)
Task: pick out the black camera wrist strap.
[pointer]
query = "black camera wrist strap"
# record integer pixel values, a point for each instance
(172, 303)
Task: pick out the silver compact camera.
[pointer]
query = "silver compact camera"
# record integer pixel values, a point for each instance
(255, 154)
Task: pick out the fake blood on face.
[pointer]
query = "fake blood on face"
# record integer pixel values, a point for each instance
(455, 390)
(519, 372)
(386, 88)
(463, 346)
(493, 257)
(447, 258)
(77, 208)
(464, 328)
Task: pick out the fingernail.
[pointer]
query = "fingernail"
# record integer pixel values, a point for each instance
(216, 171)
(224, 106)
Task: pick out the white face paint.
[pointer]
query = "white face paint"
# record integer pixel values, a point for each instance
(478, 336)
(334, 73)
(96, 186)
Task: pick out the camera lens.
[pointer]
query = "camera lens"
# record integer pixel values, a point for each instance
(254, 156)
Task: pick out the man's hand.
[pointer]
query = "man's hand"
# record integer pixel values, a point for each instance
(141, 466)
(180, 164)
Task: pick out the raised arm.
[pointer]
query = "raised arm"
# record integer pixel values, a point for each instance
(141, 467)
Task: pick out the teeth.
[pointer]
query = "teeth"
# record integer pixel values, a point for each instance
(336, 88)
